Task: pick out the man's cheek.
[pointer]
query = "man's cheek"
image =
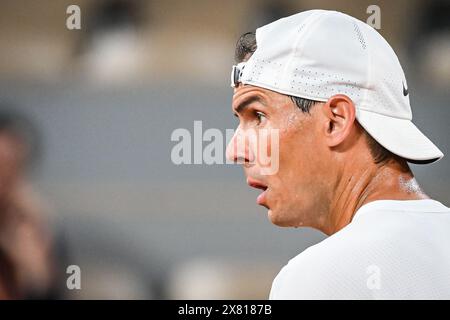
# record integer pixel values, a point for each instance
(268, 151)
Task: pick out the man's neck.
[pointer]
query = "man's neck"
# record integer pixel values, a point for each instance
(392, 180)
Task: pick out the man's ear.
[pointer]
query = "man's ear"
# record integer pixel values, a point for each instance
(340, 114)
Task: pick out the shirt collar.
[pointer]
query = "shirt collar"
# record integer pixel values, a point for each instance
(422, 205)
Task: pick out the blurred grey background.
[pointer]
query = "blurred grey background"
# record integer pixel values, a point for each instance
(105, 100)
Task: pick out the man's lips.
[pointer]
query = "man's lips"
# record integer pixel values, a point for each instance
(261, 199)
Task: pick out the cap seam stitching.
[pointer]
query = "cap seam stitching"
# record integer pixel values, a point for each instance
(315, 18)
(369, 66)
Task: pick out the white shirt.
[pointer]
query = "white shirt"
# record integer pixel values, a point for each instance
(391, 250)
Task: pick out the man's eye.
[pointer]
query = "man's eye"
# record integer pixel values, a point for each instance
(260, 116)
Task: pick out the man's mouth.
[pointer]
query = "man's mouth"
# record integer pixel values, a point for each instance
(261, 199)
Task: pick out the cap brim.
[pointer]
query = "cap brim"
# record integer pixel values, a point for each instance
(400, 136)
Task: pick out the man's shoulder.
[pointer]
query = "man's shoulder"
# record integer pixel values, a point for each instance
(336, 267)
(363, 240)
(375, 232)
(387, 241)
(340, 248)
(349, 242)
(322, 270)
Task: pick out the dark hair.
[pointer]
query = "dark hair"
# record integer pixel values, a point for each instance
(246, 46)
(379, 153)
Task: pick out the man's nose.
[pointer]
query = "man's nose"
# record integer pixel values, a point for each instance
(239, 149)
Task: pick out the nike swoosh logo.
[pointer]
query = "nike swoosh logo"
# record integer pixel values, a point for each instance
(405, 90)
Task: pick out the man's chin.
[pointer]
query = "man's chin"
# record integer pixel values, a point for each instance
(277, 219)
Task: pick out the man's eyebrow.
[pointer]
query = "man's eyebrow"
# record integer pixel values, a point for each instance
(246, 102)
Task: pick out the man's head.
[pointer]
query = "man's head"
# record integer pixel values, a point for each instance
(312, 136)
(319, 135)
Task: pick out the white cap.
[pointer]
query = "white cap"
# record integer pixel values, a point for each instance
(318, 53)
